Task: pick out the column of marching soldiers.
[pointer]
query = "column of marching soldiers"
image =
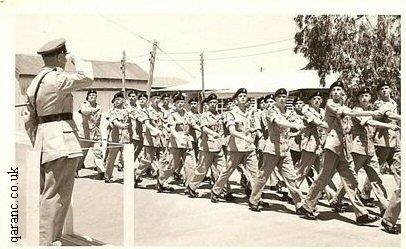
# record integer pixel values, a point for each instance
(264, 140)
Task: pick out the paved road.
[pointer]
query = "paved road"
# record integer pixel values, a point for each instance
(176, 220)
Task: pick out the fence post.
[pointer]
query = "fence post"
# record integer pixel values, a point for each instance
(128, 195)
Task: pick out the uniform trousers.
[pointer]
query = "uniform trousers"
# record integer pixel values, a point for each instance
(138, 145)
(177, 156)
(371, 167)
(208, 159)
(384, 154)
(285, 166)
(247, 158)
(345, 168)
(393, 211)
(151, 157)
(96, 152)
(57, 180)
(111, 158)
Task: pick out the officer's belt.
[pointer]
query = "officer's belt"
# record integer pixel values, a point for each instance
(55, 117)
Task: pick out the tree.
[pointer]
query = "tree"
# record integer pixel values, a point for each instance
(364, 50)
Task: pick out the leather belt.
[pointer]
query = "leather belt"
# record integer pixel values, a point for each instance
(55, 117)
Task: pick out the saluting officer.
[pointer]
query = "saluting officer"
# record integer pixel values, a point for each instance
(91, 136)
(53, 132)
(211, 154)
(154, 139)
(276, 154)
(337, 155)
(119, 121)
(363, 149)
(180, 144)
(241, 146)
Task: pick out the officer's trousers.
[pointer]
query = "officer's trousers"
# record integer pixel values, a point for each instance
(285, 166)
(138, 144)
(333, 162)
(57, 180)
(96, 152)
(176, 157)
(214, 160)
(111, 158)
(246, 158)
(151, 157)
(384, 154)
(371, 167)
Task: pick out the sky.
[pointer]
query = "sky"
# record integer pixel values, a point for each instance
(101, 36)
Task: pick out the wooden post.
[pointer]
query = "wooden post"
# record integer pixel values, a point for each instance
(202, 70)
(123, 71)
(151, 69)
(128, 195)
(33, 193)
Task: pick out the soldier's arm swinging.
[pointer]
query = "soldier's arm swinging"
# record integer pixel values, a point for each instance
(238, 134)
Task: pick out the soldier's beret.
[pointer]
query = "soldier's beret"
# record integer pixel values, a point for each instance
(212, 96)
(131, 92)
(193, 100)
(241, 90)
(260, 99)
(178, 96)
(164, 95)
(91, 91)
(142, 94)
(297, 99)
(154, 94)
(268, 96)
(315, 94)
(281, 91)
(53, 47)
(117, 95)
(363, 91)
(382, 84)
(227, 100)
(338, 83)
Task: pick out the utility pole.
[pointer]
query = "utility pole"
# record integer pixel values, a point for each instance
(151, 68)
(202, 69)
(123, 71)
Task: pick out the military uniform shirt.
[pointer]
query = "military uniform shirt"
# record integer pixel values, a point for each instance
(278, 137)
(312, 137)
(117, 134)
(214, 123)
(156, 119)
(136, 123)
(386, 137)
(363, 135)
(244, 122)
(182, 125)
(295, 142)
(91, 117)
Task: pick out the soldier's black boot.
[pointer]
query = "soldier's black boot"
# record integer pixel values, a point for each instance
(214, 197)
(254, 207)
(191, 193)
(366, 219)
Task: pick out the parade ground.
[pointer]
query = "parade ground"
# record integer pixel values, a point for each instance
(175, 220)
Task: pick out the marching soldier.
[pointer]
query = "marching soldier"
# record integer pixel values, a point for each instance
(363, 149)
(53, 132)
(240, 147)
(91, 116)
(337, 156)
(387, 141)
(119, 121)
(154, 139)
(295, 136)
(194, 116)
(211, 154)
(136, 124)
(276, 154)
(180, 144)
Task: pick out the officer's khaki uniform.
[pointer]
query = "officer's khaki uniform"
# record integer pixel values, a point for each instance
(276, 154)
(90, 133)
(194, 119)
(240, 152)
(154, 145)
(180, 150)
(363, 153)
(58, 143)
(295, 142)
(136, 129)
(387, 141)
(117, 135)
(337, 157)
(211, 154)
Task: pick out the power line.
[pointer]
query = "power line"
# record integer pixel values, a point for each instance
(234, 48)
(125, 28)
(178, 64)
(234, 57)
